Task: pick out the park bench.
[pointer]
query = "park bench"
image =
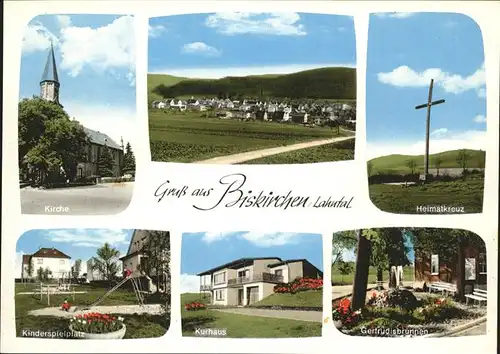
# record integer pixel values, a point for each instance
(478, 295)
(444, 288)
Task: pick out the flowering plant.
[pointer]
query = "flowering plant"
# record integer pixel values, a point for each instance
(343, 312)
(195, 306)
(378, 299)
(95, 322)
(301, 284)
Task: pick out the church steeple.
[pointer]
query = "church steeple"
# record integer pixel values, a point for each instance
(49, 85)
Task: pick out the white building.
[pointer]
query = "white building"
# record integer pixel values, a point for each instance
(58, 263)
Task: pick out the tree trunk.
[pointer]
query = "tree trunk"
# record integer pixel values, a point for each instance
(460, 270)
(361, 272)
(380, 278)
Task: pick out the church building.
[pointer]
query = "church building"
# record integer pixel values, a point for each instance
(49, 91)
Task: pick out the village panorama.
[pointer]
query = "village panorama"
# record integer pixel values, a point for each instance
(209, 122)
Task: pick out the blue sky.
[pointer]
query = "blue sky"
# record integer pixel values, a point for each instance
(350, 256)
(238, 44)
(76, 243)
(205, 250)
(404, 52)
(95, 58)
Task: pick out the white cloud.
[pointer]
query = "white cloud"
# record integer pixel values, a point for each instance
(63, 21)
(272, 239)
(210, 237)
(404, 76)
(108, 47)
(89, 237)
(37, 37)
(279, 24)
(200, 48)
(217, 73)
(258, 239)
(18, 264)
(439, 132)
(481, 92)
(155, 31)
(341, 29)
(480, 119)
(473, 139)
(395, 14)
(115, 121)
(190, 283)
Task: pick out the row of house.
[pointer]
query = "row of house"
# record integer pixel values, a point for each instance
(258, 109)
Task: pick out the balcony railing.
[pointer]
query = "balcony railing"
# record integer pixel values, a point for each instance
(256, 277)
(205, 287)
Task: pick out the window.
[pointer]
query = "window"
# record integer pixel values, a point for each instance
(482, 263)
(219, 295)
(61, 261)
(220, 278)
(279, 272)
(39, 261)
(470, 269)
(434, 264)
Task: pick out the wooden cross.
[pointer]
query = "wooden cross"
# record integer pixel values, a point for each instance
(428, 105)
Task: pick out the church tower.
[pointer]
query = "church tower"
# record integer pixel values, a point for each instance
(49, 85)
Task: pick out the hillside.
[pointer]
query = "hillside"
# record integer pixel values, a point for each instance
(397, 163)
(324, 83)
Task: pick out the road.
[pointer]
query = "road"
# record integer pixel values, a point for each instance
(309, 316)
(253, 155)
(93, 200)
(478, 330)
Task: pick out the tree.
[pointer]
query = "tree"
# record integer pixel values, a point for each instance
(411, 164)
(31, 268)
(49, 140)
(129, 160)
(437, 164)
(344, 268)
(39, 274)
(105, 163)
(369, 166)
(342, 241)
(463, 160)
(362, 269)
(105, 262)
(157, 250)
(77, 267)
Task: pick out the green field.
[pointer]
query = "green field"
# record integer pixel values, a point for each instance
(138, 326)
(341, 151)
(397, 164)
(322, 83)
(244, 326)
(312, 298)
(348, 279)
(466, 193)
(188, 137)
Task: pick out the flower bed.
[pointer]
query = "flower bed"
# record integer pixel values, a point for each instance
(95, 325)
(343, 314)
(195, 306)
(301, 284)
(397, 313)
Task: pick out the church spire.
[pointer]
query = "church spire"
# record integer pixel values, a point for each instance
(50, 71)
(49, 85)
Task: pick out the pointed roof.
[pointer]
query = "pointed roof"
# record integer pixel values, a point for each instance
(50, 71)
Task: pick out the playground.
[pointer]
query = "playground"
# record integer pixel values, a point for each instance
(51, 306)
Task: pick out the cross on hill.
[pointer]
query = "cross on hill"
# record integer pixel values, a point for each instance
(428, 105)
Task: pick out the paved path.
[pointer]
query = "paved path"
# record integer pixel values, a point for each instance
(309, 316)
(92, 200)
(253, 155)
(478, 330)
(341, 291)
(153, 309)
